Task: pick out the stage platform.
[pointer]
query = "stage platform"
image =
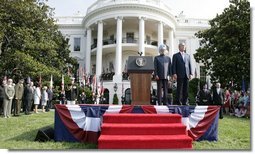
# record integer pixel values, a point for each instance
(82, 123)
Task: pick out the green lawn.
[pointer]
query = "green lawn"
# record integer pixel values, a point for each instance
(20, 132)
(233, 134)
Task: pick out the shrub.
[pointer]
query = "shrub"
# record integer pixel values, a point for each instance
(115, 99)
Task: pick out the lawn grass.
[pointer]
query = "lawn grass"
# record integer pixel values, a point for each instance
(20, 132)
(233, 134)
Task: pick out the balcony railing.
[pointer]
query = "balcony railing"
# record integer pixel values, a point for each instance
(103, 3)
(69, 20)
(124, 40)
(190, 22)
(109, 76)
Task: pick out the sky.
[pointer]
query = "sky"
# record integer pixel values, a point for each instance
(202, 9)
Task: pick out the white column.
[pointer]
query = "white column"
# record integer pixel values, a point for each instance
(171, 43)
(118, 59)
(160, 33)
(99, 48)
(141, 35)
(88, 51)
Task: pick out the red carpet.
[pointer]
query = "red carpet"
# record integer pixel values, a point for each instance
(143, 131)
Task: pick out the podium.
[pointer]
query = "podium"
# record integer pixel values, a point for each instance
(140, 69)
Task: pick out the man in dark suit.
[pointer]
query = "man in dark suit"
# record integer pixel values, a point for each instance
(204, 96)
(162, 66)
(2, 95)
(71, 94)
(218, 98)
(181, 68)
(28, 96)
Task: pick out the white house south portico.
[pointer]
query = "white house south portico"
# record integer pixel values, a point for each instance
(117, 29)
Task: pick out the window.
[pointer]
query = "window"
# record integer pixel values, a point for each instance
(111, 67)
(93, 69)
(111, 37)
(148, 39)
(130, 37)
(202, 73)
(128, 96)
(111, 41)
(77, 44)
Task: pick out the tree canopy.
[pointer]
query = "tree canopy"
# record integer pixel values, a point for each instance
(225, 47)
(30, 40)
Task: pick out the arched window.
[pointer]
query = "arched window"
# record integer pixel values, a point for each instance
(106, 97)
(128, 96)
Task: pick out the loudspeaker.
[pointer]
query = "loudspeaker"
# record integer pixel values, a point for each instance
(45, 134)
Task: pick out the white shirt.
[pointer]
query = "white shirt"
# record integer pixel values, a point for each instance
(182, 53)
(218, 90)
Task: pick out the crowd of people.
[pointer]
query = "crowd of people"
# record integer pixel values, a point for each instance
(20, 97)
(232, 102)
(31, 97)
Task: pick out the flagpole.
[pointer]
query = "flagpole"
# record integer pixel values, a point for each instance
(62, 83)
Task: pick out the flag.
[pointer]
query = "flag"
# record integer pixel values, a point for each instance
(88, 79)
(94, 84)
(62, 83)
(101, 87)
(84, 79)
(82, 123)
(51, 81)
(81, 74)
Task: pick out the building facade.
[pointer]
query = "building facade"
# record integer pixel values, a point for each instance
(113, 30)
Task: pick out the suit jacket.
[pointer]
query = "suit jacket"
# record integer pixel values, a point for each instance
(181, 67)
(204, 97)
(9, 91)
(218, 99)
(2, 93)
(71, 94)
(19, 90)
(162, 66)
(28, 93)
(50, 94)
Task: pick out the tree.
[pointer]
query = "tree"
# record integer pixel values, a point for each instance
(225, 47)
(30, 40)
